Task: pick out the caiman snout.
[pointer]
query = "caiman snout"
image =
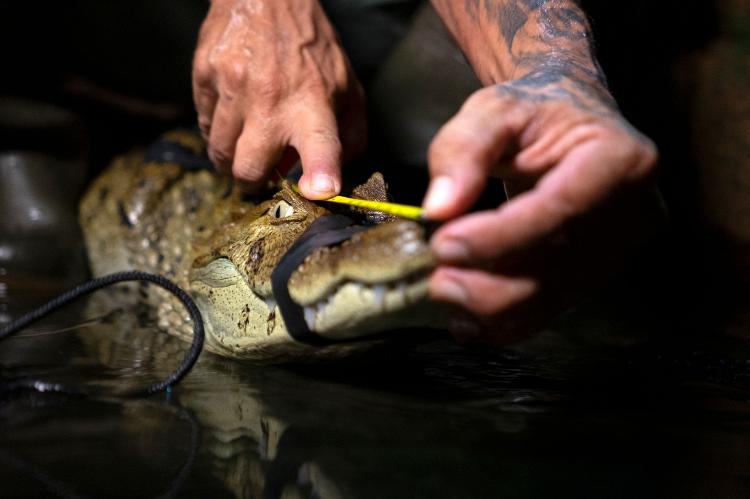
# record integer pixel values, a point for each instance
(224, 250)
(377, 273)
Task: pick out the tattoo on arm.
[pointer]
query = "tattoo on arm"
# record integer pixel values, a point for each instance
(511, 18)
(540, 44)
(551, 19)
(564, 22)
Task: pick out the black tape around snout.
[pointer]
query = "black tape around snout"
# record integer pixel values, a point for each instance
(325, 231)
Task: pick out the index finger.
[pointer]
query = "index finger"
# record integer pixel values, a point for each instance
(319, 147)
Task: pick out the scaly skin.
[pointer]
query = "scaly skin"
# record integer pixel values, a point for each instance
(186, 226)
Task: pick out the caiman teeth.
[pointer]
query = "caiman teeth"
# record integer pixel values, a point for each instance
(310, 317)
(379, 291)
(270, 303)
(317, 309)
(397, 289)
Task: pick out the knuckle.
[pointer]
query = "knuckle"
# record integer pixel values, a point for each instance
(639, 158)
(251, 171)
(204, 124)
(343, 80)
(565, 204)
(221, 155)
(565, 201)
(603, 132)
(234, 74)
(266, 91)
(202, 72)
(326, 137)
(649, 157)
(517, 117)
(481, 98)
(636, 154)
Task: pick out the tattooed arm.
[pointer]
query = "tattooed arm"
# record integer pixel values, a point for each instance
(544, 40)
(572, 165)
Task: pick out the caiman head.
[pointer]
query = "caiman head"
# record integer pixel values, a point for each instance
(376, 280)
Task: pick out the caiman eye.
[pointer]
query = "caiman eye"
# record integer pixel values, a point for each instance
(281, 210)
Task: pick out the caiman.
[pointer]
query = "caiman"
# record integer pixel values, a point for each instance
(148, 212)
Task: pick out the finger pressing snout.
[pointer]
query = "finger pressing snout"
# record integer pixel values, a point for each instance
(317, 141)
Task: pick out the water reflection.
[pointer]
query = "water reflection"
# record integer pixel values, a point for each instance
(435, 421)
(94, 448)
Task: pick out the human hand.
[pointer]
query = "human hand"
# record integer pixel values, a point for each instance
(577, 176)
(269, 75)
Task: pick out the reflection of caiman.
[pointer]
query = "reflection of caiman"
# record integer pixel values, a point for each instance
(436, 421)
(157, 216)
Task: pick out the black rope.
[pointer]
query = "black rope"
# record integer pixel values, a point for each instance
(101, 282)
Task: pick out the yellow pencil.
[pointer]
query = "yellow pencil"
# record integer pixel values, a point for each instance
(400, 210)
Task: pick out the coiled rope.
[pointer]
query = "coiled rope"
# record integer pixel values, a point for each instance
(89, 287)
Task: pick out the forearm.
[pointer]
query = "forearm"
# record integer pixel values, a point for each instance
(540, 41)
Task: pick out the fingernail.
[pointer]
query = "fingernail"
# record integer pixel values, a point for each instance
(450, 291)
(323, 184)
(450, 250)
(439, 195)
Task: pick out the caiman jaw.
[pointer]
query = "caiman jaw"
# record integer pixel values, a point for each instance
(365, 283)
(369, 299)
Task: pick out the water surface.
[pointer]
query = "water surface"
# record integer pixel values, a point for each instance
(436, 420)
